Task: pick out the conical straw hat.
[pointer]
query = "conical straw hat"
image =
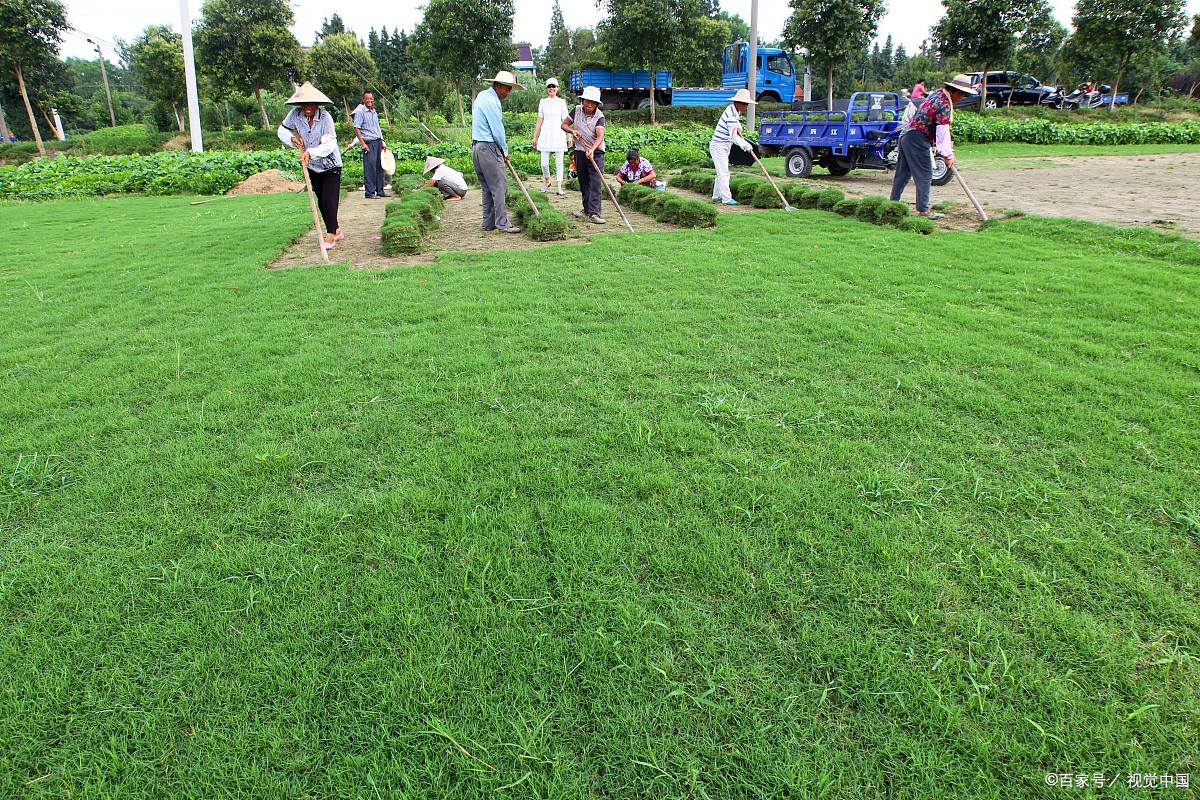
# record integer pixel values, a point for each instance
(307, 93)
(432, 163)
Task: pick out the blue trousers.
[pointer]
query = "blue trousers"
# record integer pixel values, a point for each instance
(915, 162)
(374, 178)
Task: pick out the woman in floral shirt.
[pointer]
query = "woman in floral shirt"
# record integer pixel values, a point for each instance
(929, 127)
(635, 170)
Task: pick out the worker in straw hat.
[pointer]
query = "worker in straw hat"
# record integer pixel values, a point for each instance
(586, 122)
(310, 128)
(929, 127)
(727, 134)
(489, 151)
(450, 182)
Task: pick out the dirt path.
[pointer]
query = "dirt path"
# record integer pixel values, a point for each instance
(361, 219)
(1157, 190)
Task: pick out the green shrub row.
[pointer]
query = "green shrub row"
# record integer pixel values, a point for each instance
(670, 208)
(548, 225)
(409, 220)
(983, 129)
(173, 172)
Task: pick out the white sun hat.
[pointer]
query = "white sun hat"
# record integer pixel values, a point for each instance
(307, 93)
(742, 96)
(387, 162)
(507, 78)
(552, 81)
(432, 163)
(591, 93)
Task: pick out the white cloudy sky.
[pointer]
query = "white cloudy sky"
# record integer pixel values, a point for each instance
(908, 21)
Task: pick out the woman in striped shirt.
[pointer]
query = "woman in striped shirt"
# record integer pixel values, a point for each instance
(728, 133)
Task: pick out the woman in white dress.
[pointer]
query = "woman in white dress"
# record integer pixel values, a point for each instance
(548, 136)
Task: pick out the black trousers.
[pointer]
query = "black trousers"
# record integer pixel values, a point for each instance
(327, 186)
(591, 183)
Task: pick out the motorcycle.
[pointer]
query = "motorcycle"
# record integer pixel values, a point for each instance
(1087, 95)
(1056, 97)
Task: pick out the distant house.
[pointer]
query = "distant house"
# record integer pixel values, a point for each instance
(524, 62)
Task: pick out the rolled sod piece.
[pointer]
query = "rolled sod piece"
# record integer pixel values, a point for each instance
(743, 189)
(402, 236)
(847, 207)
(868, 208)
(917, 224)
(794, 192)
(765, 196)
(687, 213)
(828, 198)
(891, 213)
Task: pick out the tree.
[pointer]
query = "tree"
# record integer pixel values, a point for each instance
(697, 60)
(984, 31)
(156, 58)
(645, 33)
(331, 26)
(1125, 29)
(30, 31)
(834, 32)
(1040, 43)
(245, 45)
(464, 38)
(341, 66)
(557, 57)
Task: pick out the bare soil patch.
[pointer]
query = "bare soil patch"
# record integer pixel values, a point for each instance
(269, 182)
(460, 232)
(1156, 190)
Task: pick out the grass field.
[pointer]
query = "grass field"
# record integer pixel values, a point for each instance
(796, 507)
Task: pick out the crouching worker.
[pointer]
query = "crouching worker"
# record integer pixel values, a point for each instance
(450, 182)
(636, 170)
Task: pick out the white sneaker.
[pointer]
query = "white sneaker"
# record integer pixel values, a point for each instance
(596, 219)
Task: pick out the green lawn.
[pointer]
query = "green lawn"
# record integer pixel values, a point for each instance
(797, 507)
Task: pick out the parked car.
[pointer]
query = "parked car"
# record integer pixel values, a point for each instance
(1011, 88)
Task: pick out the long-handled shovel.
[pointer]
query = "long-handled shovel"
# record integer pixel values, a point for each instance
(970, 195)
(624, 218)
(786, 205)
(524, 191)
(312, 200)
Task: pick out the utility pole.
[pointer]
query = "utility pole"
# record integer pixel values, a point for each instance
(3, 126)
(189, 74)
(752, 78)
(107, 94)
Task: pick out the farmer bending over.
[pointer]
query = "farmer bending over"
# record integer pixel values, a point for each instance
(489, 151)
(728, 133)
(929, 127)
(450, 182)
(587, 123)
(636, 170)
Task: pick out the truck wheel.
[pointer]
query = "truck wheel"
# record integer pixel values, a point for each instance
(767, 97)
(941, 174)
(837, 169)
(797, 163)
(644, 102)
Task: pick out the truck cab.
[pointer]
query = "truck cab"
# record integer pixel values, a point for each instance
(776, 77)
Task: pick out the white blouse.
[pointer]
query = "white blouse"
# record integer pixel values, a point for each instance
(552, 139)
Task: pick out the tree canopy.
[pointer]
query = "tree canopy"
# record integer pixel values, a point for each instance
(462, 39)
(30, 31)
(244, 45)
(1125, 29)
(156, 58)
(340, 66)
(834, 32)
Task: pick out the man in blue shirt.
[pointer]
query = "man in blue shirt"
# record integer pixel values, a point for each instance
(489, 151)
(370, 138)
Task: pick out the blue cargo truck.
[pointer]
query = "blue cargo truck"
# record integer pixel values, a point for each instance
(776, 82)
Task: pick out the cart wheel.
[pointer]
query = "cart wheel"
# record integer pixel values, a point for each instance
(643, 103)
(797, 164)
(941, 175)
(837, 170)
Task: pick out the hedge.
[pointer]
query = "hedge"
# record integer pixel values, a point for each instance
(548, 225)
(408, 221)
(983, 129)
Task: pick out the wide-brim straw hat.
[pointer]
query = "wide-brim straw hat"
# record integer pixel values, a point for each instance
(591, 93)
(742, 96)
(387, 162)
(307, 93)
(507, 78)
(962, 83)
(432, 163)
